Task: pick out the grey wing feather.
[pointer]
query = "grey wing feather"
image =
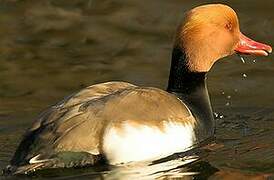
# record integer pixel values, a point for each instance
(65, 127)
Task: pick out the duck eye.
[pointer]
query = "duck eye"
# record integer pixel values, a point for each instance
(229, 26)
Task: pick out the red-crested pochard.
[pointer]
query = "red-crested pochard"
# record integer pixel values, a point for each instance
(118, 122)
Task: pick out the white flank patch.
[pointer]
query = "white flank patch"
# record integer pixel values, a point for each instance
(141, 143)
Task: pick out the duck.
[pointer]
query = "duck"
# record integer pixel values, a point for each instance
(119, 122)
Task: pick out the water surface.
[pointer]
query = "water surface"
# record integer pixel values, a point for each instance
(49, 49)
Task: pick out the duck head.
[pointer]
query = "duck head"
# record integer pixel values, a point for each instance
(211, 32)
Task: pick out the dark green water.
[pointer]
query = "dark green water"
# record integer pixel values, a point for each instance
(49, 49)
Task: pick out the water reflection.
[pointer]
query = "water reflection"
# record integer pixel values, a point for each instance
(183, 168)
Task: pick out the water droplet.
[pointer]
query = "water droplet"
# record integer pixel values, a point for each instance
(227, 104)
(223, 92)
(235, 90)
(228, 97)
(218, 115)
(244, 75)
(242, 59)
(254, 61)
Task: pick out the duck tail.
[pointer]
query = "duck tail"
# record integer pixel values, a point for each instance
(60, 160)
(21, 170)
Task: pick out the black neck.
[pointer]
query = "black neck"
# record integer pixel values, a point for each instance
(191, 88)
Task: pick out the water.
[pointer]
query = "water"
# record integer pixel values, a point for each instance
(49, 49)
